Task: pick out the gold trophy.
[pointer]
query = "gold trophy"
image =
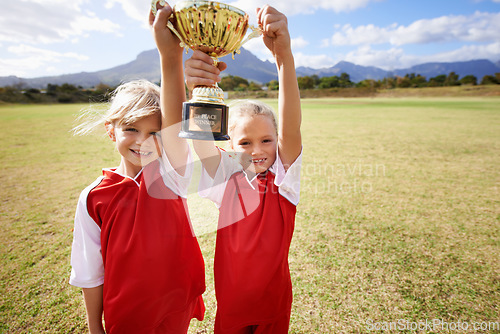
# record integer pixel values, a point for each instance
(218, 30)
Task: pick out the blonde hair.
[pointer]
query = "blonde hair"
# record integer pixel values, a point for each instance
(249, 108)
(129, 103)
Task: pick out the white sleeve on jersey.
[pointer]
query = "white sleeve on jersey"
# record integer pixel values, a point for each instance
(86, 258)
(288, 181)
(177, 183)
(213, 189)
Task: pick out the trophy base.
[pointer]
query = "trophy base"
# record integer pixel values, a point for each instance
(204, 121)
(202, 136)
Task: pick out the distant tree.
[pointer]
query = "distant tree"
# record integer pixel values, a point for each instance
(403, 82)
(273, 85)
(241, 87)
(345, 80)
(32, 95)
(233, 83)
(316, 80)
(418, 81)
(437, 81)
(254, 87)
(490, 80)
(329, 82)
(10, 94)
(342, 81)
(101, 92)
(102, 88)
(68, 88)
(369, 83)
(52, 89)
(452, 80)
(388, 83)
(469, 80)
(32, 91)
(306, 82)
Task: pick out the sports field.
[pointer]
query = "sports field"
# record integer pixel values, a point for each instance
(398, 224)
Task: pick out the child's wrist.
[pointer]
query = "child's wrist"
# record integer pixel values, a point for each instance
(96, 328)
(170, 56)
(284, 58)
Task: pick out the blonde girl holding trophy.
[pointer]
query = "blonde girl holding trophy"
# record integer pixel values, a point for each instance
(134, 252)
(256, 193)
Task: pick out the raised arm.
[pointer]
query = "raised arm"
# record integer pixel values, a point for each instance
(277, 39)
(199, 71)
(173, 93)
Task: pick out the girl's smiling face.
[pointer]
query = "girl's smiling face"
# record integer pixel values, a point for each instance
(137, 143)
(255, 137)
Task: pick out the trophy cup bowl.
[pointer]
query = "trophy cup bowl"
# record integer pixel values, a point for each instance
(216, 29)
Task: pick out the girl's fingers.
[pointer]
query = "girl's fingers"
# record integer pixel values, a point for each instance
(222, 66)
(202, 61)
(158, 22)
(196, 64)
(200, 82)
(273, 29)
(151, 18)
(266, 11)
(261, 12)
(163, 15)
(194, 72)
(271, 21)
(197, 54)
(193, 81)
(199, 70)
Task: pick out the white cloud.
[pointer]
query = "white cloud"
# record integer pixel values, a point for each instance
(257, 47)
(91, 22)
(337, 5)
(49, 21)
(368, 34)
(386, 59)
(478, 27)
(293, 7)
(135, 9)
(29, 59)
(396, 57)
(23, 50)
(313, 61)
(299, 43)
(468, 52)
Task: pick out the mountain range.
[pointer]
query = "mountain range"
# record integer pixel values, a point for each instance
(248, 66)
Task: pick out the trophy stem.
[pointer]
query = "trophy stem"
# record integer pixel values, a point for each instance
(208, 94)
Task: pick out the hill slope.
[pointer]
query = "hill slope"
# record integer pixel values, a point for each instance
(248, 66)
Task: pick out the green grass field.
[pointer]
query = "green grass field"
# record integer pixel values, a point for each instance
(399, 219)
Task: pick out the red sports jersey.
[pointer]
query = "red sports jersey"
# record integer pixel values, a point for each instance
(256, 223)
(252, 279)
(153, 267)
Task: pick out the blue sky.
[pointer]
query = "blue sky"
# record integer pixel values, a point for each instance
(53, 37)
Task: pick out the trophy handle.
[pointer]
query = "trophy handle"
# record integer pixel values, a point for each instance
(256, 32)
(169, 24)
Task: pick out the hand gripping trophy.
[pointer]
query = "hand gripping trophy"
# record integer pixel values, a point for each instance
(218, 30)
